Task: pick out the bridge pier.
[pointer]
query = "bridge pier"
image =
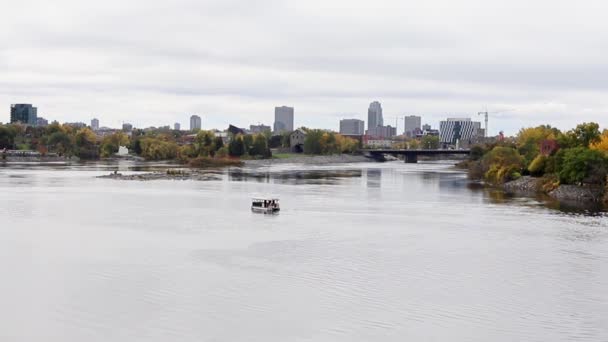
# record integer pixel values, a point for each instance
(411, 158)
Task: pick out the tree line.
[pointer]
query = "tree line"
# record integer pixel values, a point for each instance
(577, 156)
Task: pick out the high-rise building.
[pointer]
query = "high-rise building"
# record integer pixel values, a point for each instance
(352, 127)
(127, 127)
(374, 115)
(259, 128)
(426, 127)
(24, 113)
(195, 123)
(283, 119)
(177, 126)
(95, 124)
(411, 125)
(455, 130)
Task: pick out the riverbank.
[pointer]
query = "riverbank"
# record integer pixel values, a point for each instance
(563, 192)
(311, 160)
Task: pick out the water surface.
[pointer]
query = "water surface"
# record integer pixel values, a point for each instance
(360, 252)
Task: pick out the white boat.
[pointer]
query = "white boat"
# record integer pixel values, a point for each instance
(265, 205)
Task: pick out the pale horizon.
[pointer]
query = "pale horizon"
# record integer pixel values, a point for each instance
(154, 63)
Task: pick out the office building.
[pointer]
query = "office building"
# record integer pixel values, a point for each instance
(24, 113)
(352, 127)
(95, 124)
(259, 129)
(127, 127)
(283, 119)
(382, 132)
(177, 126)
(195, 123)
(42, 122)
(412, 125)
(374, 115)
(458, 130)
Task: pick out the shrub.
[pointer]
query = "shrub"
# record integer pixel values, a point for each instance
(538, 165)
(501, 165)
(582, 165)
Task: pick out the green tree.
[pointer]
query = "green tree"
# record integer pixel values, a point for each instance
(204, 143)
(7, 137)
(430, 142)
(236, 148)
(86, 144)
(312, 143)
(259, 147)
(60, 143)
(582, 165)
(218, 143)
(586, 134)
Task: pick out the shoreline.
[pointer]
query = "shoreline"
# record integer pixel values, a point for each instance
(311, 160)
(583, 194)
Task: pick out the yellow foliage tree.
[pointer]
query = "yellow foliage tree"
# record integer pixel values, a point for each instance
(601, 145)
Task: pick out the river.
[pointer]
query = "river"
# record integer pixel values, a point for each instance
(359, 252)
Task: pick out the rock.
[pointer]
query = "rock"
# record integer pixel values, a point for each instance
(583, 193)
(523, 184)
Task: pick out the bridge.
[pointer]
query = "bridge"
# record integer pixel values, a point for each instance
(411, 156)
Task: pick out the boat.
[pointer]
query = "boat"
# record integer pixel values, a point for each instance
(265, 205)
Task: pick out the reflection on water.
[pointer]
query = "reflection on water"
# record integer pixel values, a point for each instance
(359, 252)
(291, 176)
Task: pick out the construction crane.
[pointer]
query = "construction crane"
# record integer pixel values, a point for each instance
(486, 115)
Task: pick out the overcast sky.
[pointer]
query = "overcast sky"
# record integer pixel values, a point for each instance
(232, 61)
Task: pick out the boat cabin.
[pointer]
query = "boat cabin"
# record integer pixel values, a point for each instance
(265, 205)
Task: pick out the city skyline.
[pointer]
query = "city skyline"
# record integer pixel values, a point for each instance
(411, 57)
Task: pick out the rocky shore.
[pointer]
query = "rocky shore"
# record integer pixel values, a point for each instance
(564, 192)
(167, 175)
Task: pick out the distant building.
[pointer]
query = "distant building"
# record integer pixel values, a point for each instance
(77, 125)
(382, 132)
(42, 122)
(547, 147)
(122, 151)
(177, 126)
(24, 113)
(370, 142)
(296, 140)
(283, 119)
(458, 130)
(426, 127)
(374, 115)
(352, 127)
(259, 129)
(95, 124)
(127, 127)
(411, 126)
(195, 123)
(235, 130)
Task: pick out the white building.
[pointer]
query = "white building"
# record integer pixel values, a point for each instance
(374, 115)
(195, 123)
(459, 130)
(95, 124)
(412, 125)
(352, 127)
(177, 126)
(283, 119)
